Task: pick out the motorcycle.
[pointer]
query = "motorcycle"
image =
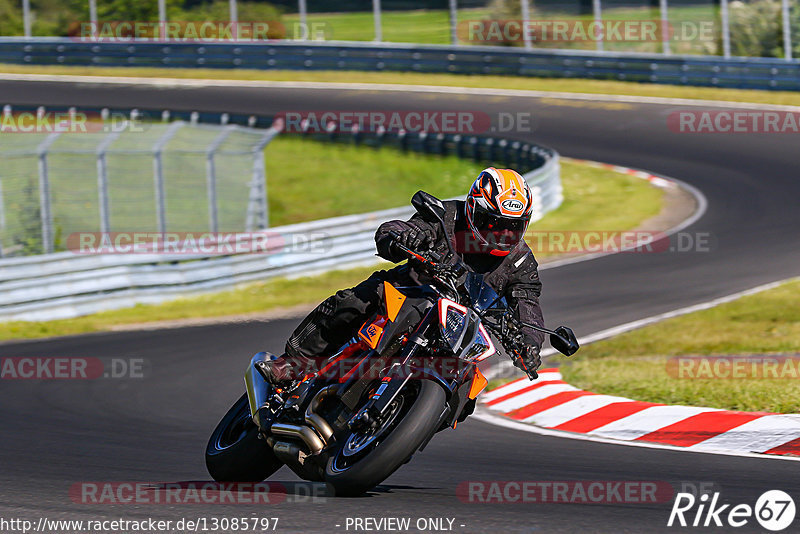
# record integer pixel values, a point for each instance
(409, 372)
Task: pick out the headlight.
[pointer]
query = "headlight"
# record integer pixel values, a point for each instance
(481, 348)
(452, 321)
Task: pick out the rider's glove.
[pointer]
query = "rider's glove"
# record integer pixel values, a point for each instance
(529, 360)
(415, 239)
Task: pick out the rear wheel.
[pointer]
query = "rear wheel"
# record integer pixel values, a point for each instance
(234, 452)
(367, 458)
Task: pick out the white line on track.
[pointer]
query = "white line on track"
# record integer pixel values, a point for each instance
(616, 330)
(479, 91)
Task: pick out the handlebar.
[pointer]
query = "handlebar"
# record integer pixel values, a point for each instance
(396, 243)
(445, 274)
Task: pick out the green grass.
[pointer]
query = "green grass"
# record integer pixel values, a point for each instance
(634, 364)
(442, 80)
(338, 179)
(392, 177)
(586, 189)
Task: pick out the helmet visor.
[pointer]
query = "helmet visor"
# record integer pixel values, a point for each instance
(500, 232)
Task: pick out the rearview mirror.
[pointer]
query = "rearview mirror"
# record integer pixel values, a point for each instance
(427, 204)
(564, 341)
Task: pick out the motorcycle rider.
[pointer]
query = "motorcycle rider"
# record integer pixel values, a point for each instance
(488, 229)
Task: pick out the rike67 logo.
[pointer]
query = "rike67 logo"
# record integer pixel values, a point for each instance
(774, 510)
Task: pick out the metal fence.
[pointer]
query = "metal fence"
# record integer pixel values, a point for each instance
(118, 173)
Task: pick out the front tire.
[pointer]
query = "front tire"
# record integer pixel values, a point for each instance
(417, 423)
(234, 453)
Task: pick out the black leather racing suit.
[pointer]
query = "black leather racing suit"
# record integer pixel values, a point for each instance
(515, 276)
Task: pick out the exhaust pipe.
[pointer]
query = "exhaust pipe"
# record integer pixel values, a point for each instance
(317, 422)
(296, 458)
(318, 432)
(308, 436)
(288, 452)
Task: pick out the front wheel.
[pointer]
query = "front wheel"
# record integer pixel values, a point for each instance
(234, 452)
(365, 459)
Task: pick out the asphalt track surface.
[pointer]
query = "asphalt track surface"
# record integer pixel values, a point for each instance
(59, 433)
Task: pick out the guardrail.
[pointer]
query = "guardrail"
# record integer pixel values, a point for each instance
(714, 71)
(69, 284)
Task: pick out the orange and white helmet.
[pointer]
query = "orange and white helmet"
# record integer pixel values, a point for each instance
(499, 208)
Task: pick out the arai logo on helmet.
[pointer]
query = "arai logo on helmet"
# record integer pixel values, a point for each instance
(512, 204)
